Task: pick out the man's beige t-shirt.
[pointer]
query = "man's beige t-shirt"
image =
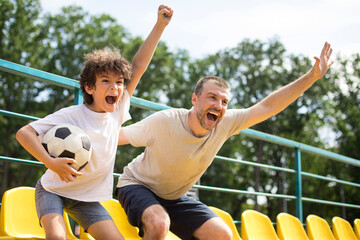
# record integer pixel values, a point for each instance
(174, 159)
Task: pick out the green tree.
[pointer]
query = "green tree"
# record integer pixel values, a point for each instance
(344, 118)
(19, 42)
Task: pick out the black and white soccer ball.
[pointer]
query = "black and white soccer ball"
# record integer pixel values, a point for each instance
(66, 140)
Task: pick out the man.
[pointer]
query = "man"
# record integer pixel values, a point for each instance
(181, 144)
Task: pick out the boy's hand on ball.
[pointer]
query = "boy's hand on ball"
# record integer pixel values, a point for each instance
(61, 166)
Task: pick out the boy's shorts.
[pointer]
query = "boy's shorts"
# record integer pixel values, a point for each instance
(186, 214)
(85, 213)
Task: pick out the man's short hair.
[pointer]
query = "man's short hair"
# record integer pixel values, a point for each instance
(103, 61)
(217, 80)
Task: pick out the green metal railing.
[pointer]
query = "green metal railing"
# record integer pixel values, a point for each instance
(297, 147)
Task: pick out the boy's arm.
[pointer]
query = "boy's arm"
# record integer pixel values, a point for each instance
(29, 139)
(280, 99)
(143, 56)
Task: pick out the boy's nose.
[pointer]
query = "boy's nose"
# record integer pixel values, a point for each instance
(113, 86)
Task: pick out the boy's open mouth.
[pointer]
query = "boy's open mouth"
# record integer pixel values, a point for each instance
(110, 99)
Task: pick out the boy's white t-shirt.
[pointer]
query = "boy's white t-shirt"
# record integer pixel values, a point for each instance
(174, 159)
(96, 183)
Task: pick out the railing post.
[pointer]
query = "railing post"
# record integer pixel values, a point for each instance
(78, 98)
(298, 185)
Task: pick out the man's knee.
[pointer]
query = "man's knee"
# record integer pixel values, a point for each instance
(156, 222)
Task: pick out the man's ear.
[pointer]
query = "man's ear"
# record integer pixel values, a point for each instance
(89, 89)
(194, 99)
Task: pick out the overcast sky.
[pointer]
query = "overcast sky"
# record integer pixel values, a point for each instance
(206, 26)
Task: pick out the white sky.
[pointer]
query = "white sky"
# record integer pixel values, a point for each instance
(206, 26)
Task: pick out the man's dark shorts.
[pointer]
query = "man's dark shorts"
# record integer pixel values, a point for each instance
(186, 214)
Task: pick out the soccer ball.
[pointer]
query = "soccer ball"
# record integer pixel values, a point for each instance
(66, 140)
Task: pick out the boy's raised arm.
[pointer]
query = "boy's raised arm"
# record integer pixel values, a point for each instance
(143, 56)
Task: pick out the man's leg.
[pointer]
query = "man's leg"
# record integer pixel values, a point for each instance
(155, 222)
(191, 219)
(214, 228)
(144, 211)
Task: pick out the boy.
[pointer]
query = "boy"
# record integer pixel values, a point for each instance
(107, 82)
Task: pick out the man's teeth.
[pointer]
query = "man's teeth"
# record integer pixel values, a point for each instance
(213, 113)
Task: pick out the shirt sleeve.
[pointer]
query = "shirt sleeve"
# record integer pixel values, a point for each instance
(141, 134)
(235, 120)
(41, 126)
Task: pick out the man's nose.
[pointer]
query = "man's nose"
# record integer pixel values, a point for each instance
(218, 105)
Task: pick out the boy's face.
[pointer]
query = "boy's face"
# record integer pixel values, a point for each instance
(108, 90)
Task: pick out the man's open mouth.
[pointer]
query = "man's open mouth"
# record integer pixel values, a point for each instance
(212, 116)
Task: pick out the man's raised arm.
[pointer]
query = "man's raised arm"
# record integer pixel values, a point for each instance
(281, 98)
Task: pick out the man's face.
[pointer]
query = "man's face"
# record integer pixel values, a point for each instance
(108, 90)
(211, 105)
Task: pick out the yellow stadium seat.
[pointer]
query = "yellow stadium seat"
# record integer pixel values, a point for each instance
(18, 218)
(226, 217)
(357, 227)
(255, 225)
(342, 229)
(118, 215)
(318, 228)
(289, 227)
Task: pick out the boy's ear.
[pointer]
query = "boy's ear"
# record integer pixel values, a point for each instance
(89, 89)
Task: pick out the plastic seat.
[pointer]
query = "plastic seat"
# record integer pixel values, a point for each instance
(255, 225)
(318, 228)
(118, 215)
(357, 227)
(289, 227)
(342, 229)
(226, 217)
(18, 218)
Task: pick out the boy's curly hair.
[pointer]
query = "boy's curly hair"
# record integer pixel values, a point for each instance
(103, 61)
